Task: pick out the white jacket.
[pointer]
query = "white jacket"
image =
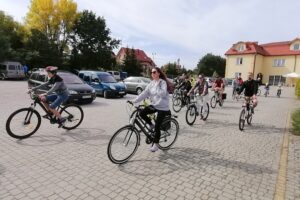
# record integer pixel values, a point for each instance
(158, 94)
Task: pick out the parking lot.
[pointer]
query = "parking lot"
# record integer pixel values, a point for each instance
(210, 160)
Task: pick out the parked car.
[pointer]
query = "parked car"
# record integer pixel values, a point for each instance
(228, 81)
(115, 74)
(104, 83)
(80, 92)
(136, 84)
(11, 70)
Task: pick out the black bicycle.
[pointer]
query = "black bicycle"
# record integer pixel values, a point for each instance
(216, 98)
(25, 122)
(246, 113)
(192, 112)
(182, 100)
(125, 141)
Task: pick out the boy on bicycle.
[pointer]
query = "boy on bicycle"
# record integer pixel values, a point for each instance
(57, 95)
(250, 87)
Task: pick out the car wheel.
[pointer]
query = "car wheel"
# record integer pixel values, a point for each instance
(139, 91)
(105, 94)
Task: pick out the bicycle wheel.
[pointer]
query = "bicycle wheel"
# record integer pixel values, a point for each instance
(191, 114)
(242, 120)
(74, 115)
(123, 144)
(204, 112)
(177, 105)
(23, 123)
(249, 118)
(213, 101)
(168, 136)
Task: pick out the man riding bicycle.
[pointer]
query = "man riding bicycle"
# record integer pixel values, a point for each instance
(57, 95)
(185, 86)
(218, 86)
(202, 87)
(250, 87)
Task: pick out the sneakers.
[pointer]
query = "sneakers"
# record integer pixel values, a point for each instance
(61, 122)
(154, 147)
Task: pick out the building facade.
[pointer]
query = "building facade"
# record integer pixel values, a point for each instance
(269, 61)
(146, 62)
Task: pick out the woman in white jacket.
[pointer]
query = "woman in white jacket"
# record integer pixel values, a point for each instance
(157, 92)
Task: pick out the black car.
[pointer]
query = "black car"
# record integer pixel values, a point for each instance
(80, 92)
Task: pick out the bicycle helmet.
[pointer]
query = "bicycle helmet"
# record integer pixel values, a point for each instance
(51, 69)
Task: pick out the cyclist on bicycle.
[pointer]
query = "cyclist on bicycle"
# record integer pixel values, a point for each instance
(250, 87)
(185, 86)
(58, 94)
(202, 89)
(218, 86)
(157, 92)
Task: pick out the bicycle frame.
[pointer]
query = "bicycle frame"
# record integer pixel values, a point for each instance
(137, 122)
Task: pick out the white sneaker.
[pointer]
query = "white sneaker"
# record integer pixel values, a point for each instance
(154, 147)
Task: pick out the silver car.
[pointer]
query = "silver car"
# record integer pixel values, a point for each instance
(136, 84)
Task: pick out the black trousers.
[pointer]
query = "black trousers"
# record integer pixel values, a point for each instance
(161, 114)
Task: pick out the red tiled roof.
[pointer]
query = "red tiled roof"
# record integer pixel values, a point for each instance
(139, 54)
(270, 49)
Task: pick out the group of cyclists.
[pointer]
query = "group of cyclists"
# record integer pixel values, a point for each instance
(158, 93)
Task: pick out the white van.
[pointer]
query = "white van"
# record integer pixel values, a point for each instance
(115, 74)
(10, 69)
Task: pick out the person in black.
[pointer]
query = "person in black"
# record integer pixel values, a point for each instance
(185, 86)
(250, 87)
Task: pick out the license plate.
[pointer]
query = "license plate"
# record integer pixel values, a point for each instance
(87, 97)
(121, 92)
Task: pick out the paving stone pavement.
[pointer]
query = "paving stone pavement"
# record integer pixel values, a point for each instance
(210, 160)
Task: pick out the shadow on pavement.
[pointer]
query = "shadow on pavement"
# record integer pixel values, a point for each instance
(41, 141)
(90, 136)
(186, 159)
(2, 169)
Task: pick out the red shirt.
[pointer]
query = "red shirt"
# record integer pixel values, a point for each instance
(219, 83)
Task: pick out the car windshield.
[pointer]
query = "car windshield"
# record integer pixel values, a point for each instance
(146, 80)
(70, 78)
(107, 78)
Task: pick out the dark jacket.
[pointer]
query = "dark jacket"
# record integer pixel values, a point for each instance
(250, 88)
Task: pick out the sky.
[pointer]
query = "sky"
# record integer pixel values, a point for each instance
(168, 30)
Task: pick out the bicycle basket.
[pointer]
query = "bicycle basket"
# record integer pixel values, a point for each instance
(224, 95)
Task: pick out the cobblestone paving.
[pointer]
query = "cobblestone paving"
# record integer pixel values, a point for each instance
(210, 160)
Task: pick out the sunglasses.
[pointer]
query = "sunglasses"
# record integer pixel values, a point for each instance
(153, 72)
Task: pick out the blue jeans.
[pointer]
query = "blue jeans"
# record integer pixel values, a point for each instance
(57, 99)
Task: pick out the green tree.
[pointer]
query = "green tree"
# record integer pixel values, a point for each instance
(92, 45)
(210, 63)
(171, 69)
(11, 37)
(53, 18)
(40, 51)
(130, 64)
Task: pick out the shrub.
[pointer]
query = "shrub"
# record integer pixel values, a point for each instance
(297, 88)
(296, 122)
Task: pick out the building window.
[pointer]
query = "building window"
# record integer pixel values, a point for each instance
(278, 63)
(274, 80)
(241, 47)
(297, 47)
(239, 61)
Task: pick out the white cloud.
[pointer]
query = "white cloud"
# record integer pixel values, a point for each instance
(189, 29)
